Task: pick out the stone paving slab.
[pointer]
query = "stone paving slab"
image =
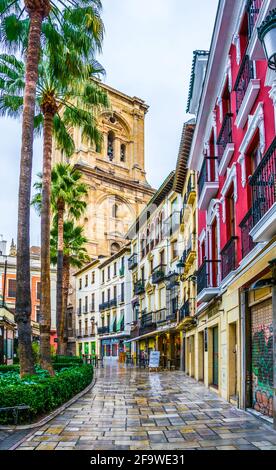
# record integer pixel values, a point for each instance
(132, 409)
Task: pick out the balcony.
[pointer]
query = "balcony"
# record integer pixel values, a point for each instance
(133, 262)
(207, 280)
(161, 316)
(139, 287)
(191, 189)
(263, 184)
(208, 183)
(148, 322)
(225, 143)
(113, 303)
(104, 306)
(229, 257)
(172, 281)
(247, 89)
(158, 274)
(171, 224)
(187, 310)
(246, 226)
(189, 253)
(103, 330)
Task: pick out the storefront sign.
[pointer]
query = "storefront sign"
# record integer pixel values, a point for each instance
(154, 359)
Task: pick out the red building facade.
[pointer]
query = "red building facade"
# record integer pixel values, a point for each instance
(234, 152)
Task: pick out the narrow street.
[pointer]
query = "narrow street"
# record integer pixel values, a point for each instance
(130, 409)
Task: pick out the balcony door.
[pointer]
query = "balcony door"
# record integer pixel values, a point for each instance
(214, 266)
(215, 357)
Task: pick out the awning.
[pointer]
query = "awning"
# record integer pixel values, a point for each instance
(152, 333)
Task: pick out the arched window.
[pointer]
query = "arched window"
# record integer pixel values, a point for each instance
(123, 153)
(115, 211)
(110, 145)
(115, 247)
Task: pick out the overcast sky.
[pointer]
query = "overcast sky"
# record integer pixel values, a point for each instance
(147, 52)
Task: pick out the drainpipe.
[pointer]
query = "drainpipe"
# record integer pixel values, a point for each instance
(273, 269)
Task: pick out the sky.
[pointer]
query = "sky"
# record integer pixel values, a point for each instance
(147, 52)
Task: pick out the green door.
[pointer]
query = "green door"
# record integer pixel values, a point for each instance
(93, 348)
(215, 357)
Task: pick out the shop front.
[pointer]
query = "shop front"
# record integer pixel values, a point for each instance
(7, 336)
(112, 348)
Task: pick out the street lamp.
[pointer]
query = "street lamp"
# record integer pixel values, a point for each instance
(267, 36)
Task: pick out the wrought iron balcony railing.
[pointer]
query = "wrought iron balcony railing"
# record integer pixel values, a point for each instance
(172, 280)
(263, 184)
(147, 322)
(253, 9)
(158, 274)
(225, 136)
(161, 315)
(113, 303)
(229, 257)
(103, 330)
(207, 275)
(246, 226)
(246, 73)
(104, 306)
(139, 287)
(207, 173)
(187, 309)
(133, 261)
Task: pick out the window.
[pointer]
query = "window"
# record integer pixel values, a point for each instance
(80, 283)
(37, 314)
(122, 292)
(93, 303)
(123, 153)
(86, 280)
(115, 211)
(231, 225)
(174, 249)
(115, 269)
(38, 290)
(108, 273)
(115, 292)
(86, 304)
(115, 247)
(103, 276)
(110, 145)
(12, 288)
(255, 155)
(86, 327)
(108, 295)
(162, 257)
(103, 297)
(143, 274)
(93, 278)
(79, 306)
(93, 327)
(151, 266)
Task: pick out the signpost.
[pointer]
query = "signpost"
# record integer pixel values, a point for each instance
(154, 359)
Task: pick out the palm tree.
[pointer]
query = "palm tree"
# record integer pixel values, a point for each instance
(32, 19)
(74, 255)
(58, 108)
(67, 199)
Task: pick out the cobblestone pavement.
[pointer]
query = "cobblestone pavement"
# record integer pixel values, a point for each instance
(130, 409)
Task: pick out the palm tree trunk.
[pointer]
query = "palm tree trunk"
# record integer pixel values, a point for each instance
(45, 302)
(23, 291)
(59, 313)
(66, 282)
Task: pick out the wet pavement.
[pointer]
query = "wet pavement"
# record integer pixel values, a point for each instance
(131, 409)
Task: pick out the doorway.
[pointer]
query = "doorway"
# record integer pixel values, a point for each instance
(233, 353)
(215, 357)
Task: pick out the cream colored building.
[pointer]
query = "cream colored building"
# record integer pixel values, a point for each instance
(115, 173)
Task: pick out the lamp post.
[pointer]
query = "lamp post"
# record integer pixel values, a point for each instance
(267, 36)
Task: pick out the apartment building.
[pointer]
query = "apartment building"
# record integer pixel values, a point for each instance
(234, 153)
(115, 313)
(154, 256)
(87, 285)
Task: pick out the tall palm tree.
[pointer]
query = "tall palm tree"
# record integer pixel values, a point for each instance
(58, 108)
(68, 198)
(32, 19)
(74, 255)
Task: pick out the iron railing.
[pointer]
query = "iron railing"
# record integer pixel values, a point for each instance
(104, 306)
(225, 136)
(113, 303)
(133, 261)
(229, 257)
(186, 310)
(158, 274)
(148, 322)
(263, 184)
(246, 226)
(207, 275)
(206, 175)
(103, 330)
(139, 287)
(253, 9)
(246, 73)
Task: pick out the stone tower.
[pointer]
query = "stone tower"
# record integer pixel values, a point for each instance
(115, 173)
